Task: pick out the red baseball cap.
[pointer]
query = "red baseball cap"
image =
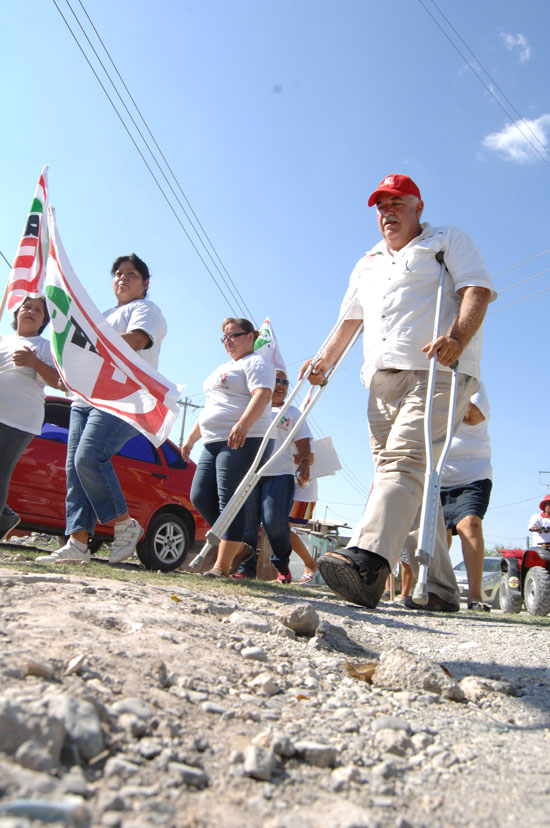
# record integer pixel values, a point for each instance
(397, 185)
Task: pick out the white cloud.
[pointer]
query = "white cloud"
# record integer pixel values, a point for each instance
(517, 141)
(519, 42)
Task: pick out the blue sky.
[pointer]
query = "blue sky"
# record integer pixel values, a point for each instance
(279, 117)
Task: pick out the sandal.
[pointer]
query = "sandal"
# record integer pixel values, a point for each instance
(214, 573)
(307, 577)
(241, 558)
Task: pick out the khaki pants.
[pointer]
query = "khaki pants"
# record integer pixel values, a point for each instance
(397, 404)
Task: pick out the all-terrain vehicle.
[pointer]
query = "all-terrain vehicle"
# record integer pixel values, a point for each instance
(526, 579)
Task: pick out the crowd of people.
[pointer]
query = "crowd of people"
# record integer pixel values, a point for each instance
(392, 294)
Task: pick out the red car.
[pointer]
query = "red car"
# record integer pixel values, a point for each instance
(156, 484)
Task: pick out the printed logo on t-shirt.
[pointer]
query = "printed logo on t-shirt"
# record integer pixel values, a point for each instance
(284, 423)
(221, 380)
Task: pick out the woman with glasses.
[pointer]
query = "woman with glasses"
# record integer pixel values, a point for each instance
(232, 425)
(270, 501)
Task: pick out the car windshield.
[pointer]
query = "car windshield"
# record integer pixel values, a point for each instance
(491, 564)
(460, 567)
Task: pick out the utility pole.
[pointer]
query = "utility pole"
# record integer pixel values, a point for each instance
(185, 404)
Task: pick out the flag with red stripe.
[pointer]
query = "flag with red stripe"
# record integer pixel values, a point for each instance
(29, 267)
(95, 362)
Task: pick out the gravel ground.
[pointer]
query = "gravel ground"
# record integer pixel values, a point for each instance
(135, 699)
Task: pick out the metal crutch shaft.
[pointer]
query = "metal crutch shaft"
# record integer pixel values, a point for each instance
(432, 479)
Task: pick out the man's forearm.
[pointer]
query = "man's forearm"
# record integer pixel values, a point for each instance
(339, 341)
(473, 305)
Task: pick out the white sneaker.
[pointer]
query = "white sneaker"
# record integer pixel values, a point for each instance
(70, 553)
(125, 541)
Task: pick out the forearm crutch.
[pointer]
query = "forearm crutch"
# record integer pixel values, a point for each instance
(213, 536)
(432, 480)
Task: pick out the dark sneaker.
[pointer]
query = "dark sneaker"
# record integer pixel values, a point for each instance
(360, 579)
(435, 604)
(8, 521)
(284, 577)
(241, 558)
(479, 606)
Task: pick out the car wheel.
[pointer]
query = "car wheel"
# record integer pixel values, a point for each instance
(510, 599)
(166, 543)
(537, 591)
(496, 599)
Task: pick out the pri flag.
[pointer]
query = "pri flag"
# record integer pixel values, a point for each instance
(95, 362)
(29, 268)
(267, 340)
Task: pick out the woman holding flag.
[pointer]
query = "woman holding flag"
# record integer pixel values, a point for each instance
(232, 424)
(93, 490)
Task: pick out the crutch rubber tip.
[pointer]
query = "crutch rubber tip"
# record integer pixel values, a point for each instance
(420, 595)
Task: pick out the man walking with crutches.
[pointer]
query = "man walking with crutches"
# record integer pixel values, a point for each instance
(392, 292)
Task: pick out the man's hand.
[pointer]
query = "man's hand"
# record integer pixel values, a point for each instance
(447, 349)
(318, 374)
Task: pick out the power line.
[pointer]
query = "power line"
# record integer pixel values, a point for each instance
(519, 264)
(155, 179)
(6, 261)
(172, 173)
(523, 281)
(522, 120)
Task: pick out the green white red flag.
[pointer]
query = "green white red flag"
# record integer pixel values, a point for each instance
(29, 267)
(267, 341)
(95, 362)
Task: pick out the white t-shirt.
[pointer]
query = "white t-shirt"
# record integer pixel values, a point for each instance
(396, 299)
(469, 457)
(228, 390)
(309, 493)
(140, 315)
(21, 388)
(285, 464)
(541, 523)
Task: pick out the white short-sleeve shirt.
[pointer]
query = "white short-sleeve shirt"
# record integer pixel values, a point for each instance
(395, 296)
(285, 423)
(228, 390)
(469, 457)
(541, 528)
(140, 315)
(21, 388)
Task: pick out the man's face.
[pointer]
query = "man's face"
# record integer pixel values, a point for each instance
(547, 509)
(399, 219)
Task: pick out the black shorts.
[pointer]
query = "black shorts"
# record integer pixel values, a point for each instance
(460, 501)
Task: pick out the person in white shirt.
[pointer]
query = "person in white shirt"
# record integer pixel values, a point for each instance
(271, 499)
(26, 366)
(232, 425)
(466, 483)
(93, 490)
(539, 524)
(393, 291)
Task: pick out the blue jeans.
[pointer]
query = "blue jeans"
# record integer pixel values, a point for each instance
(93, 490)
(269, 503)
(13, 443)
(219, 471)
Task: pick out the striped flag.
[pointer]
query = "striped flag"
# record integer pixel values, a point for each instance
(267, 340)
(29, 268)
(95, 362)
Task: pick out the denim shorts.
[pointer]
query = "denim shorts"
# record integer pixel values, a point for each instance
(461, 501)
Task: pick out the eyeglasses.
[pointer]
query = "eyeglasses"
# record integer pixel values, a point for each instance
(230, 337)
(280, 381)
